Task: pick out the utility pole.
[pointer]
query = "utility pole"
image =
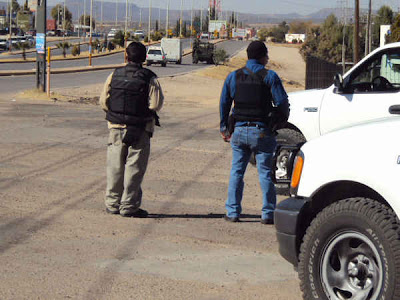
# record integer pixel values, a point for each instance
(90, 33)
(201, 18)
(10, 29)
(101, 14)
(84, 19)
(191, 26)
(167, 20)
(149, 34)
(79, 22)
(356, 46)
(126, 31)
(126, 18)
(140, 18)
(116, 13)
(159, 18)
(369, 35)
(64, 21)
(180, 20)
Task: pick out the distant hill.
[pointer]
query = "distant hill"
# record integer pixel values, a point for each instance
(109, 12)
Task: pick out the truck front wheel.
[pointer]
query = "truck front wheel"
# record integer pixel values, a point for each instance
(350, 251)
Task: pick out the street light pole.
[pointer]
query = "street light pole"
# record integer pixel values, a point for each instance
(10, 29)
(90, 33)
(148, 34)
(167, 21)
(356, 31)
(126, 31)
(64, 20)
(180, 20)
(84, 19)
(116, 13)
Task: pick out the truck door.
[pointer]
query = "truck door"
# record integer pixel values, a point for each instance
(370, 91)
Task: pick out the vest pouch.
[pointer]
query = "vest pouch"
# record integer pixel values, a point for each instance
(132, 135)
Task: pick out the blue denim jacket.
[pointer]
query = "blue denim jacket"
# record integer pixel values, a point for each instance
(228, 92)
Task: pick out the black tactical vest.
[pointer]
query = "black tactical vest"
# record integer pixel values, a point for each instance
(253, 98)
(129, 96)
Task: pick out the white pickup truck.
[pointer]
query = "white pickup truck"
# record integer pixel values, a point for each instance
(341, 226)
(370, 90)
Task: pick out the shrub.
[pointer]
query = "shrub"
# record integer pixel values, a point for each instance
(220, 56)
(76, 50)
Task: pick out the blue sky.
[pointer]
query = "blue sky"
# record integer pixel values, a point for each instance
(255, 6)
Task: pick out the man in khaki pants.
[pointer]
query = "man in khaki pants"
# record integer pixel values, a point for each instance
(131, 98)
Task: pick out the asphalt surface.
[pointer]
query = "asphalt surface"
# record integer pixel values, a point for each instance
(19, 83)
(102, 60)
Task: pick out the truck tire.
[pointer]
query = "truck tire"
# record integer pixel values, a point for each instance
(179, 62)
(351, 251)
(164, 64)
(286, 136)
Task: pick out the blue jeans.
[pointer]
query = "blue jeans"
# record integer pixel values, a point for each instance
(244, 141)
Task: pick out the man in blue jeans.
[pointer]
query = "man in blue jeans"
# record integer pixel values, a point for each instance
(260, 101)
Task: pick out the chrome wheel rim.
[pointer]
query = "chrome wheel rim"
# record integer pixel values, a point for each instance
(281, 165)
(351, 267)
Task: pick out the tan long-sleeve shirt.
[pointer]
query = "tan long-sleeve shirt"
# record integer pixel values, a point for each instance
(156, 101)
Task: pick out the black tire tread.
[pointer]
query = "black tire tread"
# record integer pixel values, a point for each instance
(383, 216)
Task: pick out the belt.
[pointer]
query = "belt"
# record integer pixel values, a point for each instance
(251, 124)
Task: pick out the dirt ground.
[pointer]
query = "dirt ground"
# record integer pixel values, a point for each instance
(57, 242)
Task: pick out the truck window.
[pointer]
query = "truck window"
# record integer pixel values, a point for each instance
(382, 67)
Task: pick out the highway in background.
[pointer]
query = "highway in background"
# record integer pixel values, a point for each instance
(96, 61)
(13, 84)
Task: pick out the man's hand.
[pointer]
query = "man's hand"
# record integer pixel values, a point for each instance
(225, 136)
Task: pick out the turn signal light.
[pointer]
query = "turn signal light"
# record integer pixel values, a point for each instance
(298, 167)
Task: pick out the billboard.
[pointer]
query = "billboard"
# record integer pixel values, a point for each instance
(217, 25)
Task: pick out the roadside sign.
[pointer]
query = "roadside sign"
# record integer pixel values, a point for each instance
(40, 42)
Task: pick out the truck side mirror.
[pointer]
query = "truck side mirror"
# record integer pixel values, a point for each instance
(338, 82)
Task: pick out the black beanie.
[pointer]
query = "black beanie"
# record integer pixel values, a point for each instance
(136, 52)
(256, 50)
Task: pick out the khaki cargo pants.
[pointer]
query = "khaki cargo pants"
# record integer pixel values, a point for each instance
(126, 166)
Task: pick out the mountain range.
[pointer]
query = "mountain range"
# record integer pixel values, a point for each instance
(110, 10)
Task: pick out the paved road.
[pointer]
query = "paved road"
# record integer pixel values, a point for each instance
(103, 60)
(15, 83)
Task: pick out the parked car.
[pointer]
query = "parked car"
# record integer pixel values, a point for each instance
(369, 90)
(139, 34)
(156, 55)
(341, 227)
(111, 34)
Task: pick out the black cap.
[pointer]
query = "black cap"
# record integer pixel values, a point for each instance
(136, 52)
(256, 50)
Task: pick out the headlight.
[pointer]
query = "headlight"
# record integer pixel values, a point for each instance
(296, 175)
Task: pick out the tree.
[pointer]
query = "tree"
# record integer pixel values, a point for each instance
(384, 16)
(64, 46)
(395, 30)
(157, 25)
(177, 28)
(57, 13)
(15, 7)
(325, 41)
(23, 47)
(278, 32)
(299, 26)
(86, 22)
(119, 38)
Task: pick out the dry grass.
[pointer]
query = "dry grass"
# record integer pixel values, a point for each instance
(35, 94)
